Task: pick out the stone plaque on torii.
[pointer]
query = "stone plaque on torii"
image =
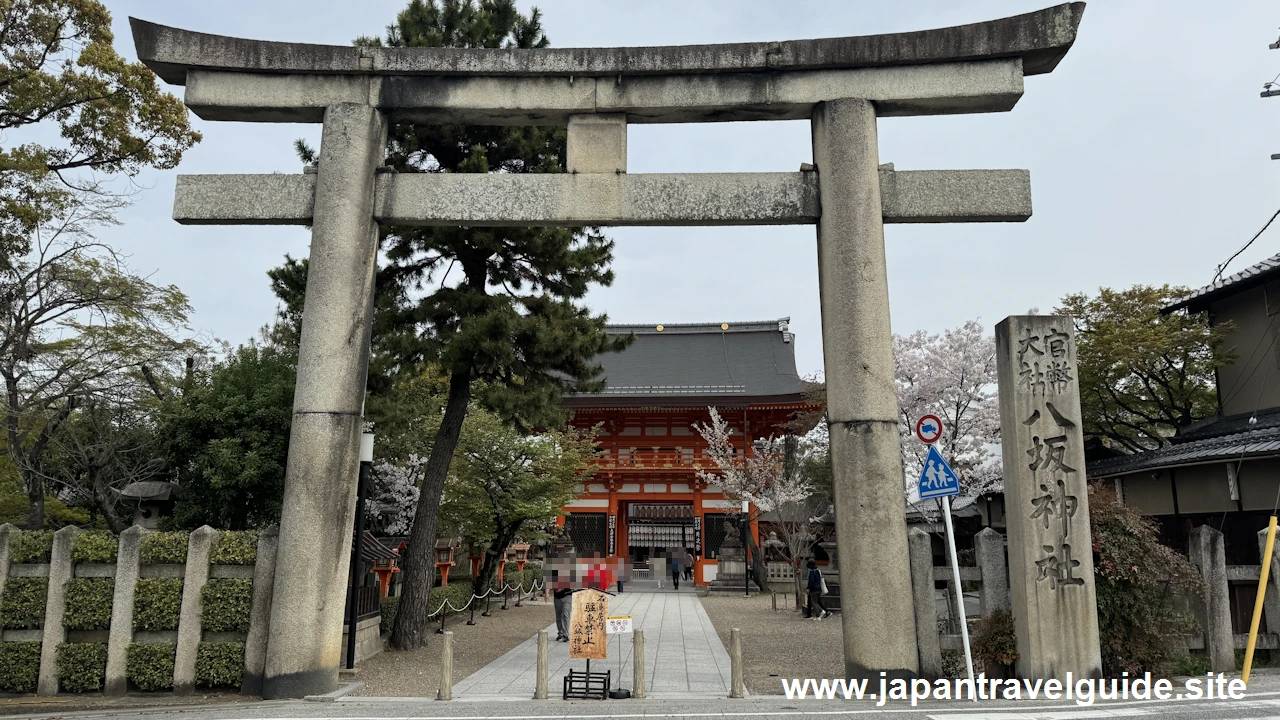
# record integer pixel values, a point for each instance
(843, 85)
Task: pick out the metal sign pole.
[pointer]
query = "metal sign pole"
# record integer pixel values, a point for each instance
(955, 576)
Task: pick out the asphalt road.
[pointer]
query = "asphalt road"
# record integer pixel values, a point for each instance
(1255, 705)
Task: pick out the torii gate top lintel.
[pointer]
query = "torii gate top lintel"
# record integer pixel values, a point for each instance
(1028, 44)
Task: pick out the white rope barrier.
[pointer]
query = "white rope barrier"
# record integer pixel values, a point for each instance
(520, 591)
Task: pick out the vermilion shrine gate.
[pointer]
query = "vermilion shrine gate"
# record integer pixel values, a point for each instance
(843, 85)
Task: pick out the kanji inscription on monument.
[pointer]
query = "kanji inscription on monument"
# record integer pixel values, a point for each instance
(1046, 498)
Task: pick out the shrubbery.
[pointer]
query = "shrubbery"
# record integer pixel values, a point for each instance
(81, 667)
(387, 608)
(995, 641)
(235, 548)
(163, 548)
(150, 667)
(23, 603)
(219, 664)
(19, 666)
(30, 546)
(88, 603)
(157, 604)
(98, 546)
(225, 605)
(1141, 585)
(456, 594)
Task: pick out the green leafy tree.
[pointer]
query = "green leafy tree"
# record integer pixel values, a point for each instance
(76, 324)
(227, 439)
(504, 482)
(496, 305)
(1143, 375)
(63, 85)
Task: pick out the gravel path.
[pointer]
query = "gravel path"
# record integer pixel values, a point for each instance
(416, 673)
(778, 644)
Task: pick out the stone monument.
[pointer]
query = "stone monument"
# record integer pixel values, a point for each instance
(1055, 609)
(844, 86)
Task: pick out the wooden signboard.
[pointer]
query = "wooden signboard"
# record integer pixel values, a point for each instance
(587, 636)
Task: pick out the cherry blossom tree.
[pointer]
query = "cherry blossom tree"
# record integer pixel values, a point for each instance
(393, 497)
(769, 478)
(953, 376)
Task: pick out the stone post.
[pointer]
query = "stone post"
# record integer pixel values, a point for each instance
(122, 609)
(1208, 552)
(446, 667)
(989, 547)
(1055, 609)
(190, 630)
(1271, 606)
(735, 663)
(540, 689)
(877, 614)
(54, 604)
(925, 602)
(637, 664)
(255, 643)
(303, 652)
(6, 531)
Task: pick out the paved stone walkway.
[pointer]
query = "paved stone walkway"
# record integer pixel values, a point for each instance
(684, 657)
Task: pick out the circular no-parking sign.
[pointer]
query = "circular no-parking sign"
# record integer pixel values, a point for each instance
(929, 429)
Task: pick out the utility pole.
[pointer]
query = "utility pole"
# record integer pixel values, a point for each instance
(1272, 89)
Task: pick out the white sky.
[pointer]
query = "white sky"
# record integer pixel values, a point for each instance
(1148, 148)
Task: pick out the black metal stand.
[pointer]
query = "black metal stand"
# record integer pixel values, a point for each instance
(519, 594)
(440, 630)
(472, 621)
(587, 685)
(487, 597)
(506, 597)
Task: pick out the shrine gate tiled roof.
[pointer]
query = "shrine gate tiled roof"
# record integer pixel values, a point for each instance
(738, 363)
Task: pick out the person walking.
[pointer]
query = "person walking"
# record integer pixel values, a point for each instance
(816, 587)
(688, 565)
(563, 600)
(676, 561)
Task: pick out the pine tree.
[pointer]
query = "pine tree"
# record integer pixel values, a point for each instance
(496, 309)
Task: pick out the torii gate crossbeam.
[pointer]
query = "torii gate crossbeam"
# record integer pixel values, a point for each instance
(841, 84)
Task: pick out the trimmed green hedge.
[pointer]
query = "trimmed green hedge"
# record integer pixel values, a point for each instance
(225, 605)
(219, 664)
(30, 546)
(88, 603)
(163, 548)
(150, 667)
(19, 666)
(22, 604)
(387, 607)
(235, 548)
(157, 604)
(98, 546)
(457, 593)
(81, 667)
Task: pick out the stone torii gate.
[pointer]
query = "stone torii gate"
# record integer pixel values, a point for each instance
(843, 85)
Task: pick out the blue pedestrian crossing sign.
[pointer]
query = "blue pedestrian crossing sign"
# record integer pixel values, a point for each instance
(937, 478)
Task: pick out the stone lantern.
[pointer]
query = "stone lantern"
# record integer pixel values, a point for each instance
(155, 499)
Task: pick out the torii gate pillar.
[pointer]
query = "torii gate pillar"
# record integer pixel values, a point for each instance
(876, 610)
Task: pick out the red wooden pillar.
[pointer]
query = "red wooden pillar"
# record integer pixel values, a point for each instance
(611, 541)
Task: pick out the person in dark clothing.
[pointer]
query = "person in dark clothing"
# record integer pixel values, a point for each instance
(688, 565)
(675, 571)
(814, 588)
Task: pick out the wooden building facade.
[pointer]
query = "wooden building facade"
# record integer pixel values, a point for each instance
(646, 499)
